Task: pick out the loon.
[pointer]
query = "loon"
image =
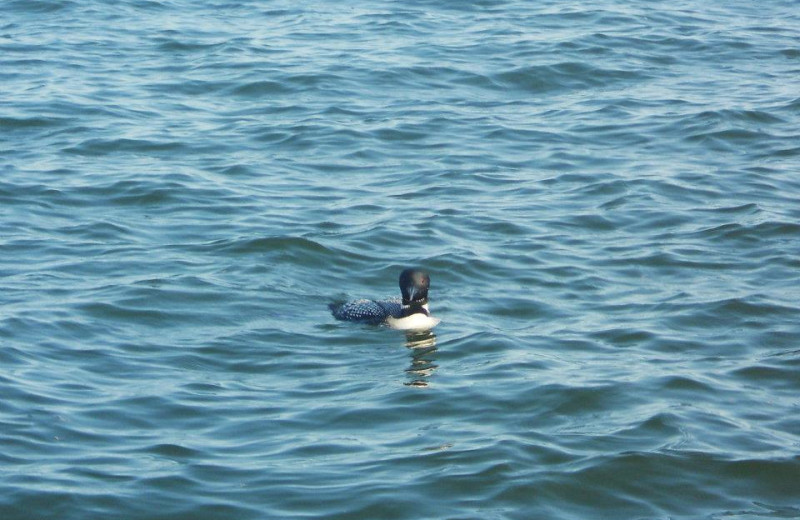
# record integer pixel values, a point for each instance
(407, 313)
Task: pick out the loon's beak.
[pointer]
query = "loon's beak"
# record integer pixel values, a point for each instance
(413, 293)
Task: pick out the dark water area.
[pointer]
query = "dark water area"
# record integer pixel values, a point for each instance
(606, 196)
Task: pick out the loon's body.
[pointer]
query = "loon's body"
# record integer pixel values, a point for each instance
(407, 313)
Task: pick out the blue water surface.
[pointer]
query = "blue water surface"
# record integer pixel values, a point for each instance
(606, 195)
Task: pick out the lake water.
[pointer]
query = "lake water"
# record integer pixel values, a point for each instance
(606, 195)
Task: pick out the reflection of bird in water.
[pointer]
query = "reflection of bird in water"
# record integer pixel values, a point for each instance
(423, 350)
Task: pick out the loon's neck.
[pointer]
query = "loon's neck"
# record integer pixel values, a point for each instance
(415, 308)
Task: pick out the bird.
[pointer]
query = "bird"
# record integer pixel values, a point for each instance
(410, 312)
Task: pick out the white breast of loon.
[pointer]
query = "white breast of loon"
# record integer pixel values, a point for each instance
(417, 321)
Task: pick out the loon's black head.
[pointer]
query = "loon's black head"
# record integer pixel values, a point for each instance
(414, 286)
